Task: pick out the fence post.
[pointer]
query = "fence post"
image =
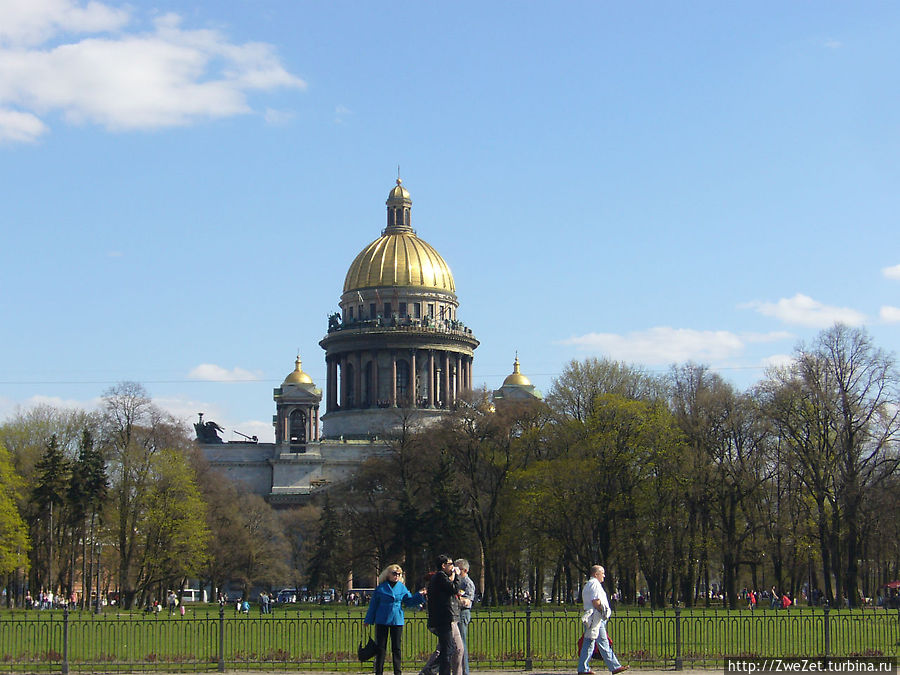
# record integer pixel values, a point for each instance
(221, 637)
(679, 665)
(827, 629)
(65, 644)
(529, 662)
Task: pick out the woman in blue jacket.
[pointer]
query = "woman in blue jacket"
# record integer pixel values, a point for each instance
(386, 614)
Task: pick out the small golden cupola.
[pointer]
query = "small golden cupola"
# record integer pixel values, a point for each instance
(516, 377)
(297, 376)
(517, 387)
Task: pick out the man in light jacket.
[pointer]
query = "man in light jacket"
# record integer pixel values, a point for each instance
(596, 613)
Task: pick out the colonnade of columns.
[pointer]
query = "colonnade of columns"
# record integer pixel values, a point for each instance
(423, 378)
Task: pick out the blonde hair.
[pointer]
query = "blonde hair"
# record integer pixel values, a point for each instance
(387, 570)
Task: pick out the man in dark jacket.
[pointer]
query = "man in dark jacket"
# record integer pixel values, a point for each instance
(443, 615)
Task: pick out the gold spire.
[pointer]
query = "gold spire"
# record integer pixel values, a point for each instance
(298, 376)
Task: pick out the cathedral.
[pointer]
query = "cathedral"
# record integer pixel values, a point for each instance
(396, 353)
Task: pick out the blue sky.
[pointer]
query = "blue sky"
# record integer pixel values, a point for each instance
(184, 184)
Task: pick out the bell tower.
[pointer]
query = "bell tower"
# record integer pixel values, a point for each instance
(296, 417)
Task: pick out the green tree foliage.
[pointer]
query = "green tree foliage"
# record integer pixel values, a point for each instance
(173, 525)
(134, 431)
(575, 391)
(52, 473)
(486, 447)
(87, 492)
(727, 446)
(14, 541)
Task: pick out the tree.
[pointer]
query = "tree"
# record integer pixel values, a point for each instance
(837, 408)
(173, 525)
(87, 493)
(27, 435)
(329, 562)
(261, 560)
(14, 541)
(727, 443)
(574, 392)
(133, 432)
(52, 474)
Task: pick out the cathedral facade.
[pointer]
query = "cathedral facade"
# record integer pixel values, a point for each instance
(396, 354)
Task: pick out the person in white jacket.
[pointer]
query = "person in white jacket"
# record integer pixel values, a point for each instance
(596, 614)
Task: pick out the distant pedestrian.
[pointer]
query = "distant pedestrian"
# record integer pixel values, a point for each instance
(596, 613)
(443, 617)
(466, 600)
(386, 614)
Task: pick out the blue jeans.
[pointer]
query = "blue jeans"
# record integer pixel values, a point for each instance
(464, 617)
(602, 642)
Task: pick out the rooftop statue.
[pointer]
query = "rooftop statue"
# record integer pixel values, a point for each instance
(208, 432)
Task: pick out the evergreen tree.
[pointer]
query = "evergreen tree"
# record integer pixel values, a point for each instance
(49, 494)
(326, 566)
(87, 492)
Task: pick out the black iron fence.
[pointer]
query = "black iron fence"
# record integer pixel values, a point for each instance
(526, 639)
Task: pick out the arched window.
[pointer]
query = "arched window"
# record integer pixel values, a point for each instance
(297, 427)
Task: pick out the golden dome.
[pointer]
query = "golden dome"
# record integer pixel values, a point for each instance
(398, 257)
(297, 376)
(517, 378)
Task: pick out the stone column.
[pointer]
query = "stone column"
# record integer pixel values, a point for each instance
(343, 378)
(413, 389)
(445, 385)
(393, 379)
(358, 403)
(375, 388)
(329, 385)
(430, 378)
(315, 412)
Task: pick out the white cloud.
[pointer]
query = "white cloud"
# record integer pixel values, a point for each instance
(31, 22)
(662, 345)
(19, 127)
(213, 373)
(167, 76)
(891, 272)
(803, 310)
(778, 361)
(831, 43)
(890, 314)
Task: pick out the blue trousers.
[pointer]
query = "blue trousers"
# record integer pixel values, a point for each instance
(602, 642)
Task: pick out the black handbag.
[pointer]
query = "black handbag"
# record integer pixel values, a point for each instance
(366, 651)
